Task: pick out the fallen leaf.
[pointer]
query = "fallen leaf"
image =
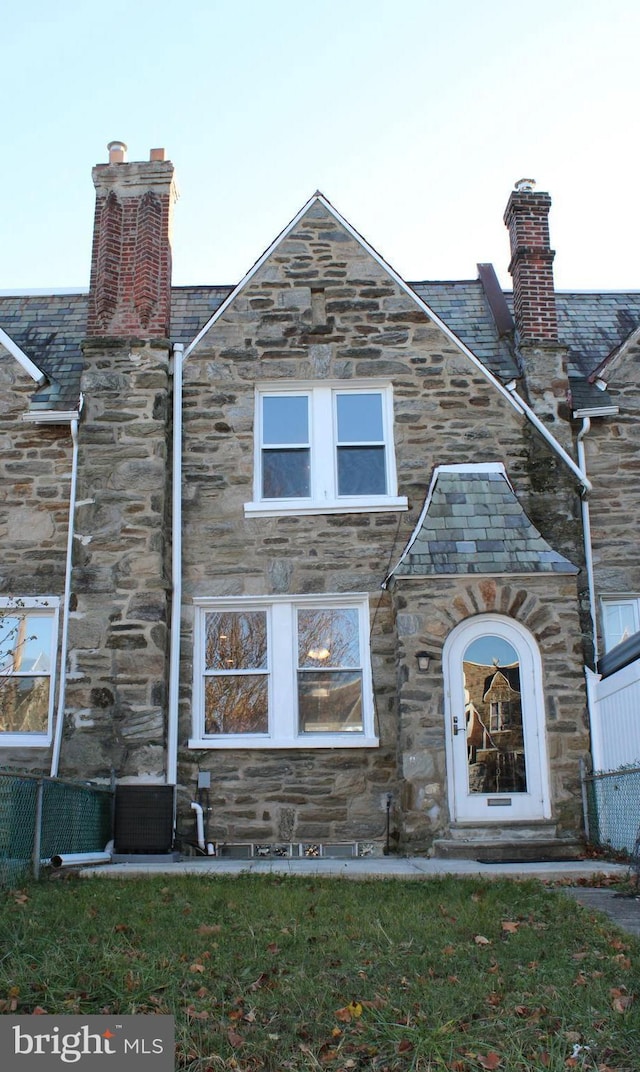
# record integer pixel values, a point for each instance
(209, 928)
(234, 1038)
(622, 1003)
(273, 947)
(492, 1060)
(509, 926)
(405, 1045)
(480, 939)
(197, 967)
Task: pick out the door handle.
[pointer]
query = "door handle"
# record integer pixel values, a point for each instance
(456, 728)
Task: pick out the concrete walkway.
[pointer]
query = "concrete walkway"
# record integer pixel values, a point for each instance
(407, 867)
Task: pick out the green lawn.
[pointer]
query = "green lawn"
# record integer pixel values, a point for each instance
(305, 973)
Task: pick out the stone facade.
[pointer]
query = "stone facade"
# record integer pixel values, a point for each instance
(320, 313)
(445, 411)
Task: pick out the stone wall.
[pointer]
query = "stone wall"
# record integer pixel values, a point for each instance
(612, 450)
(34, 511)
(321, 308)
(117, 684)
(427, 610)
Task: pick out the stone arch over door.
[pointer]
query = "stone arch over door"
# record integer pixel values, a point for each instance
(495, 737)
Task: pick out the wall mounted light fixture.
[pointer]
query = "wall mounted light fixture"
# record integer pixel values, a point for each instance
(423, 658)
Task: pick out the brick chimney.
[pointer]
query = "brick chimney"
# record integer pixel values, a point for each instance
(130, 291)
(527, 218)
(542, 356)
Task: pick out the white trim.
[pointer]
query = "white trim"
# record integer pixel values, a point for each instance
(281, 612)
(28, 365)
(536, 802)
(322, 446)
(44, 606)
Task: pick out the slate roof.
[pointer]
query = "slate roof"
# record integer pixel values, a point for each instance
(474, 523)
(50, 329)
(464, 308)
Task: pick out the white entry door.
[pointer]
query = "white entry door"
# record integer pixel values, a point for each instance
(494, 710)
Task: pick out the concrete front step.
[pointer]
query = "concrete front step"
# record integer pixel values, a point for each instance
(523, 830)
(503, 850)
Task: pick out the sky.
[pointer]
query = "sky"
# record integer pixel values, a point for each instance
(414, 117)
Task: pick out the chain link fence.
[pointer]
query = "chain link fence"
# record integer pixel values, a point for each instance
(612, 808)
(44, 817)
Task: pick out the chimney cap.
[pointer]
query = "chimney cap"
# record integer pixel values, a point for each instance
(525, 186)
(156, 154)
(117, 150)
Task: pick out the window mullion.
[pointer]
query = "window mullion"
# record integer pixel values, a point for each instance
(281, 696)
(323, 451)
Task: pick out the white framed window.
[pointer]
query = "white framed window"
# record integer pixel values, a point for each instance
(28, 645)
(620, 620)
(282, 672)
(324, 449)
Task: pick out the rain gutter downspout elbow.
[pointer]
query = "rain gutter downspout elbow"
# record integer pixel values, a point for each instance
(176, 570)
(548, 436)
(64, 644)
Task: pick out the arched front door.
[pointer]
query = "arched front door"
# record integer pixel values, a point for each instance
(496, 746)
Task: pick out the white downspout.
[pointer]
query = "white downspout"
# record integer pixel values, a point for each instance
(176, 571)
(586, 528)
(62, 688)
(592, 677)
(199, 825)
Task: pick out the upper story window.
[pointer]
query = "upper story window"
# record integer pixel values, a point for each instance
(28, 639)
(282, 672)
(620, 620)
(324, 449)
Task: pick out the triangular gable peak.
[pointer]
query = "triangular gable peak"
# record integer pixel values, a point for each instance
(508, 392)
(319, 199)
(32, 370)
(447, 541)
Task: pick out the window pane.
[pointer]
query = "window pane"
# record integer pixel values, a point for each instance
(620, 622)
(493, 717)
(236, 640)
(328, 637)
(330, 702)
(24, 704)
(285, 474)
(285, 419)
(359, 418)
(236, 704)
(361, 471)
(25, 643)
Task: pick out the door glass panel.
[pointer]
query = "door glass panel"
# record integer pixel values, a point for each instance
(493, 717)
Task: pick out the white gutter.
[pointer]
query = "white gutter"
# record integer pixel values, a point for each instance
(586, 530)
(176, 571)
(62, 688)
(546, 434)
(22, 359)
